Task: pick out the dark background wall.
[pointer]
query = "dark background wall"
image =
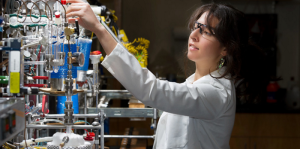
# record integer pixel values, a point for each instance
(158, 20)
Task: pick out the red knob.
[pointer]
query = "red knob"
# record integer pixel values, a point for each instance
(64, 2)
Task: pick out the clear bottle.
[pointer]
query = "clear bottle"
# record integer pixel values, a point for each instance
(292, 99)
(63, 9)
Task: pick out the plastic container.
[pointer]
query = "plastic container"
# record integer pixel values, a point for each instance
(85, 48)
(272, 88)
(292, 99)
(57, 18)
(90, 138)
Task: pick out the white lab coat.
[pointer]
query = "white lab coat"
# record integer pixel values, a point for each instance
(198, 115)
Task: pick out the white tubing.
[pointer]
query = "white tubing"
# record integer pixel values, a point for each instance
(34, 62)
(97, 10)
(30, 45)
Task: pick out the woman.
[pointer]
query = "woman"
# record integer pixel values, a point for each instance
(200, 112)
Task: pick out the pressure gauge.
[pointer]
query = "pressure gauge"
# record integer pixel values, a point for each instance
(78, 59)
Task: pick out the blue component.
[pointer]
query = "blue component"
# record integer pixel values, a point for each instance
(106, 126)
(54, 42)
(1, 19)
(61, 104)
(1, 29)
(63, 70)
(53, 36)
(85, 47)
(15, 45)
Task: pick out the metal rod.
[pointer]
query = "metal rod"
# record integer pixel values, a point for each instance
(22, 69)
(102, 128)
(97, 109)
(108, 91)
(154, 119)
(29, 131)
(130, 136)
(97, 139)
(110, 32)
(37, 100)
(34, 62)
(63, 126)
(62, 116)
(85, 110)
(18, 141)
(49, 79)
(85, 91)
(40, 93)
(41, 70)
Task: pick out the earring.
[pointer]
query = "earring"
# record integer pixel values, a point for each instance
(222, 61)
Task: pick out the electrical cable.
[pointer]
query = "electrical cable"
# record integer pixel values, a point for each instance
(92, 35)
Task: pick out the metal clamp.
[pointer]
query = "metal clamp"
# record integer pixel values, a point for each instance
(64, 141)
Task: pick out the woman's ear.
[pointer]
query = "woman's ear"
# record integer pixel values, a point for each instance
(224, 52)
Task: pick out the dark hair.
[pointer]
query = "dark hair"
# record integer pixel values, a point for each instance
(245, 62)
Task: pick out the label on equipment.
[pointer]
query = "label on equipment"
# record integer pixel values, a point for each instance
(14, 60)
(14, 68)
(14, 82)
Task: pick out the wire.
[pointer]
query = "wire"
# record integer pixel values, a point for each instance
(92, 35)
(83, 121)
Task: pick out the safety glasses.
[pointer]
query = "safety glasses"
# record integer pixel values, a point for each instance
(204, 31)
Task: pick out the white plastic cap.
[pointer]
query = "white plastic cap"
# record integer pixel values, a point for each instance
(95, 58)
(97, 10)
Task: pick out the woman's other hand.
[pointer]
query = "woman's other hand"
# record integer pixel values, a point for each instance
(86, 17)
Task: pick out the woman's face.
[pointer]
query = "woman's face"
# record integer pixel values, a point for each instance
(205, 49)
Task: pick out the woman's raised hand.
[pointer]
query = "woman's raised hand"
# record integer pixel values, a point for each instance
(86, 17)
